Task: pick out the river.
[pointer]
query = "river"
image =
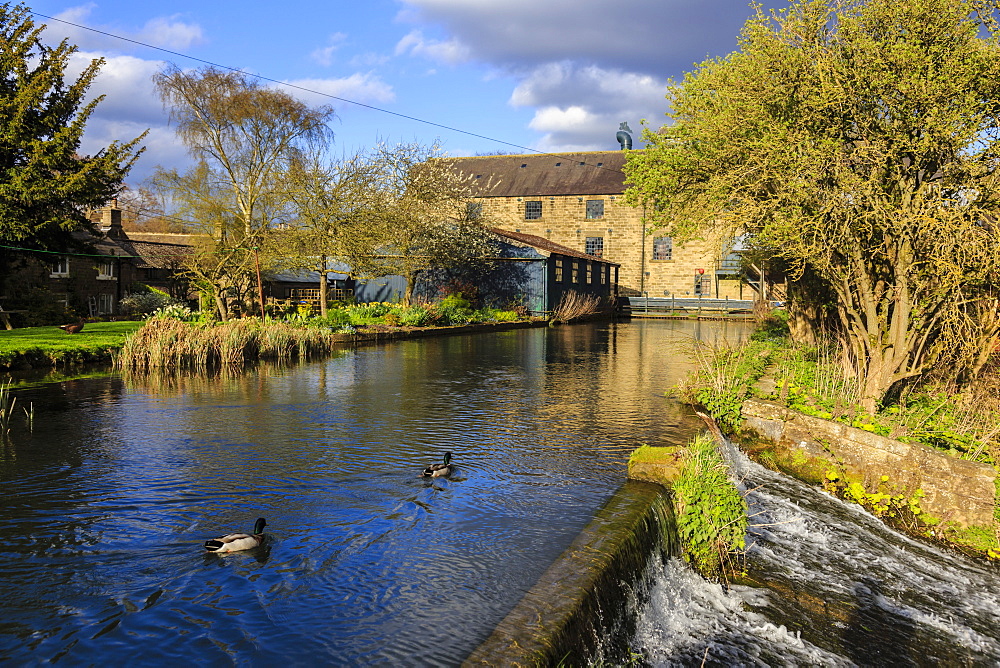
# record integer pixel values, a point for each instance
(107, 501)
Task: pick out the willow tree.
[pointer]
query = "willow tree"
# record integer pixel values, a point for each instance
(856, 141)
(242, 136)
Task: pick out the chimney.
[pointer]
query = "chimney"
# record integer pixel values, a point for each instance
(111, 221)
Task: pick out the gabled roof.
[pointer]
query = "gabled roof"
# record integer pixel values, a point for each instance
(544, 174)
(545, 246)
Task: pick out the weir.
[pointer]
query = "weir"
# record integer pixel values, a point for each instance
(582, 600)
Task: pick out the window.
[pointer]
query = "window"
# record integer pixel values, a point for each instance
(105, 304)
(663, 248)
(576, 272)
(559, 271)
(106, 269)
(60, 266)
(532, 210)
(595, 246)
(590, 273)
(595, 208)
(604, 275)
(473, 210)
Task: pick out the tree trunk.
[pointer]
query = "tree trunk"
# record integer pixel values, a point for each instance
(323, 293)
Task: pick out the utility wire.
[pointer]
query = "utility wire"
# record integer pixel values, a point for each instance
(306, 90)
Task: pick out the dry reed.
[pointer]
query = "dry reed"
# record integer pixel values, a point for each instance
(171, 344)
(573, 306)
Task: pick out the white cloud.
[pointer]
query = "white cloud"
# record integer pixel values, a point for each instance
(163, 31)
(367, 88)
(451, 51)
(171, 33)
(324, 55)
(579, 108)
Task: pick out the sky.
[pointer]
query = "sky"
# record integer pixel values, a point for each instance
(475, 76)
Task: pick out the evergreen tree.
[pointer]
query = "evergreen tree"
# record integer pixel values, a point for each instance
(45, 184)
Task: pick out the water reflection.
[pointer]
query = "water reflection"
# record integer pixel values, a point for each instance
(108, 500)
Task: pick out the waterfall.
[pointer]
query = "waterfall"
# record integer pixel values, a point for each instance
(826, 584)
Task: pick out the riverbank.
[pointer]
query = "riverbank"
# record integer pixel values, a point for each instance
(47, 347)
(101, 342)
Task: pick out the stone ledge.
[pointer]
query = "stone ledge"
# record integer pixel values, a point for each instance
(956, 490)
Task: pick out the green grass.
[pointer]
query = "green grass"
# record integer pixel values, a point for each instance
(50, 346)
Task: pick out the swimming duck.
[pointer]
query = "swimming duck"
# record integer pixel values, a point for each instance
(238, 541)
(438, 470)
(74, 328)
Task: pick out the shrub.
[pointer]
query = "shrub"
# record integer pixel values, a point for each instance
(144, 303)
(711, 512)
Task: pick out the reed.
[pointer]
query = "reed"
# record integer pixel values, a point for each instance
(7, 402)
(573, 306)
(172, 344)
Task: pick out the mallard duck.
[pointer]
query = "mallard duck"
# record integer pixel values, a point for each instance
(238, 541)
(438, 470)
(74, 328)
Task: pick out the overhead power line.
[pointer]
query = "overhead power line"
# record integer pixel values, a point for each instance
(304, 89)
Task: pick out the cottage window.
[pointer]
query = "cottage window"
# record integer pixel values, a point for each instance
(532, 210)
(595, 208)
(105, 304)
(590, 273)
(604, 275)
(595, 246)
(559, 271)
(473, 210)
(576, 272)
(663, 248)
(60, 266)
(106, 269)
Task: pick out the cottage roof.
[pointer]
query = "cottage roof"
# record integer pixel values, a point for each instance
(544, 174)
(545, 246)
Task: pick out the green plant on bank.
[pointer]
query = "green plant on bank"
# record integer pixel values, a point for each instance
(711, 512)
(726, 378)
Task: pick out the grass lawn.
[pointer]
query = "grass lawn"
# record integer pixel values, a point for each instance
(51, 346)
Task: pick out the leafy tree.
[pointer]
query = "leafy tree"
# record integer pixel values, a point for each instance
(243, 136)
(856, 141)
(46, 186)
(423, 217)
(333, 206)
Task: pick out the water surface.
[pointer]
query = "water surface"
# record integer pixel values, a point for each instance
(107, 502)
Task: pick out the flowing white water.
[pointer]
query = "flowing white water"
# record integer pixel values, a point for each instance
(842, 589)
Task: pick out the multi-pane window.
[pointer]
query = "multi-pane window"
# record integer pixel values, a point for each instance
(663, 248)
(105, 304)
(590, 275)
(604, 274)
(595, 208)
(532, 210)
(595, 246)
(576, 272)
(559, 271)
(106, 269)
(473, 210)
(60, 266)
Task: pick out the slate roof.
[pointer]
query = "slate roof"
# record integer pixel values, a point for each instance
(544, 174)
(545, 246)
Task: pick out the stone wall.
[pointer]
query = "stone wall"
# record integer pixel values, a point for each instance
(626, 241)
(956, 490)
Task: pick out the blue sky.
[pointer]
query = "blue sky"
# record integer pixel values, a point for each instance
(552, 75)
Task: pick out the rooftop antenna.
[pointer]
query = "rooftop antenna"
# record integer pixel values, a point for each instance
(623, 136)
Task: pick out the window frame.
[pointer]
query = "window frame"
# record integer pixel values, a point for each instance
(668, 242)
(598, 242)
(536, 211)
(594, 209)
(59, 267)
